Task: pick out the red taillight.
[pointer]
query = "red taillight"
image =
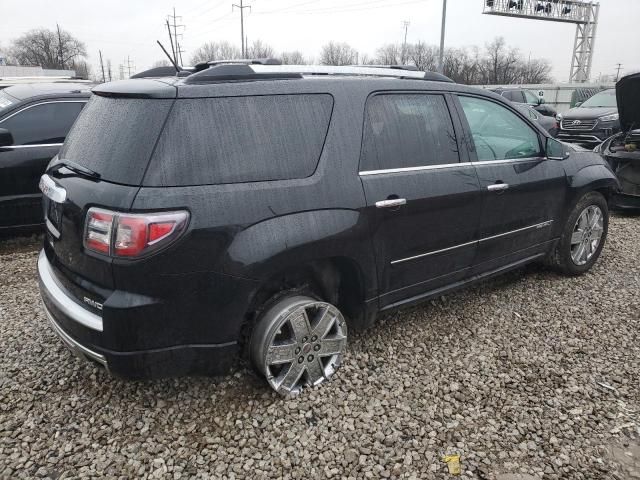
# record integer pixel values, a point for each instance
(132, 235)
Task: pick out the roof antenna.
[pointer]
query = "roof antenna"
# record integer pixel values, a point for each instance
(175, 65)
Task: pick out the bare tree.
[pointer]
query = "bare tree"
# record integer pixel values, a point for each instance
(82, 69)
(259, 49)
(161, 63)
(48, 49)
(334, 53)
(500, 63)
(293, 58)
(389, 54)
(536, 71)
(215, 51)
(423, 56)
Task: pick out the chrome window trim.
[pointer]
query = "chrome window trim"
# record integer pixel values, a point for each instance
(506, 160)
(17, 147)
(62, 301)
(467, 244)
(441, 166)
(38, 104)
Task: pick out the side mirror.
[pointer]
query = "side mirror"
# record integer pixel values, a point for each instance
(6, 139)
(556, 150)
(577, 104)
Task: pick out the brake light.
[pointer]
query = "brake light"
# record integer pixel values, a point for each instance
(132, 235)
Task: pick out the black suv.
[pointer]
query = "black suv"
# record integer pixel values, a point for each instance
(34, 121)
(262, 209)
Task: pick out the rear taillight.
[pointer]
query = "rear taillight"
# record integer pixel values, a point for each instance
(131, 235)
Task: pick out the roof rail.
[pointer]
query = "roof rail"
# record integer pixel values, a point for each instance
(247, 61)
(243, 70)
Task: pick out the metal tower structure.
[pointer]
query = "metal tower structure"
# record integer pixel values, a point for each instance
(583, 14)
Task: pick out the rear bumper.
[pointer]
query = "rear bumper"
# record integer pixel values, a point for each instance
(82, 332)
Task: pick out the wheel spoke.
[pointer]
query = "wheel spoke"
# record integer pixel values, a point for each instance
(332, 346)
(300, 325)
(315, 369)
(324, 324)
(595, 218)
(577, 256)
(577, 237)
(278, 354)
(292, 377)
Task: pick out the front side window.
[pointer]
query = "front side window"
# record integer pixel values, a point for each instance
(407, 130)
(42, 124)
(531, 98)
(498, 133)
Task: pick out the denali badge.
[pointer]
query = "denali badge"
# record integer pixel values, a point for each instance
(92, 303)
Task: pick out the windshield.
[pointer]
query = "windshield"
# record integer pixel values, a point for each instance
(602, 99)
(6, 100)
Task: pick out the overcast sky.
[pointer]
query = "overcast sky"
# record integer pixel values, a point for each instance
(131, 27)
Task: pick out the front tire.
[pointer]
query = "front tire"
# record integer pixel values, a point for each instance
(583, 236)
(298, 342)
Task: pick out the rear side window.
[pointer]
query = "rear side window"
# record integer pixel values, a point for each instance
(407, 130)
(241, 139)
(115, 137)
(43, 123)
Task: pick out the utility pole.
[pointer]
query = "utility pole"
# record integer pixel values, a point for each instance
(109, 70)
(242, 7)
(442, 32)
(129, 67)
(102, 67)
(173, 37)
(403, 60)
(618, 74)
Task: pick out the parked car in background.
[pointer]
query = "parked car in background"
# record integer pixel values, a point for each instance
(34, 121)
(622, 150)
(522, 95)
(550, 124)
(591, 122)
(324, 196)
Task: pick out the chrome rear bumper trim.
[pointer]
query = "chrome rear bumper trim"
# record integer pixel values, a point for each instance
(62, 301)
(75, 347)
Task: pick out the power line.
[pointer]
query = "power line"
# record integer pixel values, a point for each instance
(618, 73)
(175, 37)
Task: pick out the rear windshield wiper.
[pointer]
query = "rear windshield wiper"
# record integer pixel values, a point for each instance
(74, 167)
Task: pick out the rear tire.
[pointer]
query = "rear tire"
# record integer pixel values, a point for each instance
(583, 236)
(297, 342)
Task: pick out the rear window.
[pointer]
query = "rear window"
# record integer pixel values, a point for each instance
(241, 139)
(115, 137)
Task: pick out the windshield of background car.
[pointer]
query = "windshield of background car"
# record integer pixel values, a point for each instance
(6, 100)
(602, 99)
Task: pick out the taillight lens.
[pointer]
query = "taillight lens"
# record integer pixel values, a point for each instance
(132, 235)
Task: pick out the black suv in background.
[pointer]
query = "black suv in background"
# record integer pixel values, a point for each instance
(270, 209)
(522, 95)
(590, 123)
(34, 121)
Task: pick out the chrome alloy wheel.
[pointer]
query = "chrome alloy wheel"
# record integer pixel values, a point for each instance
(299, 342)
(587, 234)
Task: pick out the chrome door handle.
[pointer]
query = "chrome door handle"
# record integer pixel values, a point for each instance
(498, 187)
(396, 202)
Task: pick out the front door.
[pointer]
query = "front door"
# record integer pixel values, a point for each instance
(522, 191)
(422, 197)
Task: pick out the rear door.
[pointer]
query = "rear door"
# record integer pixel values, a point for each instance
(522, 191)
(38, 130)
(422, 196)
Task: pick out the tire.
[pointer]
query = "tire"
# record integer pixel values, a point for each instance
(298, 342)
(583, 236)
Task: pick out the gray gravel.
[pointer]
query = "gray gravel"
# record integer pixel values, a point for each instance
(530, 376)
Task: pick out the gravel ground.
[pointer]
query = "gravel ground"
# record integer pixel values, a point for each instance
(530, 376)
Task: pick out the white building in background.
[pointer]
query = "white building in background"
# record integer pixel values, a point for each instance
(7, 71)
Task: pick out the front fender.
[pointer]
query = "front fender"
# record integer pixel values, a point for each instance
(594, 177)
(288, 241)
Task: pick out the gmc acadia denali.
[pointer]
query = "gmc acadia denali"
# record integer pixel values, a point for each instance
(267, 210)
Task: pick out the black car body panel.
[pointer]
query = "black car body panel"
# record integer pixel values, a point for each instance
(587, 125)
(622, 151)
(183, 308)
(37, 140)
